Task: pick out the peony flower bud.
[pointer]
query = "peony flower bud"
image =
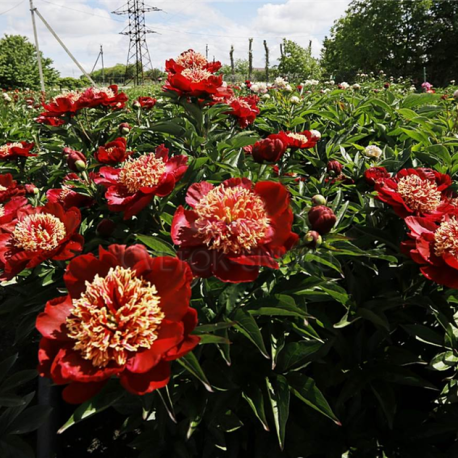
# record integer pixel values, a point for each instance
(76, 160)
(318, 200)
(334, 167)
(124, 128)
(313, 239)
(322, 219)
(295, 100)
(106, 227)
(270, 149)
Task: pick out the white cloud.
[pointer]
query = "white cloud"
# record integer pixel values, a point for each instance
(85, 24)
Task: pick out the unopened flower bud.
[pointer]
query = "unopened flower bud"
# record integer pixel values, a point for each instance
(76, 160)
(124, 128)
(322, 219)
(318, 200)
(106, 227)
(313, 239)
(334, 167)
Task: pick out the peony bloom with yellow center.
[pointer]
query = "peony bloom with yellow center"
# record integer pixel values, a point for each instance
(107, 328)
(233, 229)
(434, 246)
(126, 315)
(416, 192)
(132, 187)
(231, 220)
(299, 140)
(36, 234)
(192, 59)
(16, 149)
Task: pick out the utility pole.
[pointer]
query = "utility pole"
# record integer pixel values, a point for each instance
(138, 54)
(206, 52)
(63, 46)
(103, 65)
(40, 68)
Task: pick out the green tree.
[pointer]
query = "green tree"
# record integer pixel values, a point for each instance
(19, 66)
(397, 37)
(297, 62)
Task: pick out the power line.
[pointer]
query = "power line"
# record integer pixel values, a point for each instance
(15, 6)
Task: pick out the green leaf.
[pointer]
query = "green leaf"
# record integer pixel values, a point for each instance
(15, 447)
(296, 352)
(279, 398)
(158, 246)
(305, 389)
(106, 398)
(247, 325)
(29, 420)
(253, 395)
(190, 363)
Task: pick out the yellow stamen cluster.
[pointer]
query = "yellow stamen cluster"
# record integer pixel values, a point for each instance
(232, 220)
(104, 90)
(145, 171)
(419, 195)
(196, 75)
(2, 188)
(299, 137)
(73, 96)
(2, 210)
(39, 231)
(192, 59)
(116, 316)
(446, 238)
(5, 149)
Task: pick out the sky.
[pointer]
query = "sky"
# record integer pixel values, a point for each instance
(84, 25)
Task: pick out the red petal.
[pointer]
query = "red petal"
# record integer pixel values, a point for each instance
(157, 377)
(52, 322)
(170, 335)
(197, 192)
(76, 392)
(274, 195)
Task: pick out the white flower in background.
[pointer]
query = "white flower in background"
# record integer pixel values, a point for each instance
(373, 151)
(316, 134)
(455, 95)
(412, 88)
(6, 97)
(308, 92)
(311, 83)
(356, 87)
(324, 91)
(280, 82)
(344, 85)
(288, 88)
(452, 82)
(259, 88)
(224, 84)
(295, 100)
(265, 96)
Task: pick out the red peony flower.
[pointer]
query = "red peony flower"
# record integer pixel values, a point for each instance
(299, 140)
(270, 149)
(9, 188)
(132, 187)
(322, 219)
(126, 315)
(374, 174)
(245, 109)
(53, 121)
(16, 149)
(37, 234)
(193, 76)
(113, 152)
(65, 103)
(146, 103)
(415, 192)
(105, 97)
(67, 197)
(234, 228)
(434, 246)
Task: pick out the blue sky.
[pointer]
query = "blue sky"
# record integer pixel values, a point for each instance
(85, 24)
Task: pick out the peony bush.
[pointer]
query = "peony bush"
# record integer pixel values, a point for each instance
(202, 271)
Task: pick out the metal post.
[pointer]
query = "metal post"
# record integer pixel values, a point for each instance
(40, 68)
(65, 48)
(206, 52)
(424, 74)
(103, 66)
